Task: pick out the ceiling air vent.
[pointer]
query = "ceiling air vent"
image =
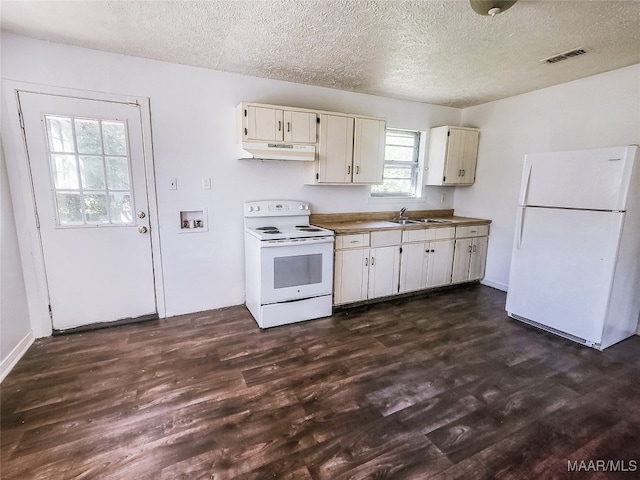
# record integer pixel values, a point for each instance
(564, 56)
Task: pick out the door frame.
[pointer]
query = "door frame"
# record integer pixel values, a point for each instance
(23, 198)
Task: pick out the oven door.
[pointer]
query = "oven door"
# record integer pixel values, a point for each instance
(296, 269)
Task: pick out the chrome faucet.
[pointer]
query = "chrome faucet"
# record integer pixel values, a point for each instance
(402, 210)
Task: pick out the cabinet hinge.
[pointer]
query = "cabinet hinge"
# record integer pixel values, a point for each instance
(37, 220)
(400, 249)
(21, 119)
(444, 179)
(245, 112)
(448, 133)
(317, 119)
(317, 176)
(50, 312)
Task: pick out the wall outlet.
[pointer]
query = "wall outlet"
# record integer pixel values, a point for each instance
(173, 184)
(443, 198)
(206, 183)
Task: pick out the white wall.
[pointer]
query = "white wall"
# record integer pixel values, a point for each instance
(194, 136)
(15, 330)
(599, 111)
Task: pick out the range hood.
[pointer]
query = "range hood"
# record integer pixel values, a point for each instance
(278, 151)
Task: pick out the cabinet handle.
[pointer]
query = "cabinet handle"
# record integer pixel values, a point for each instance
(475, 248)
(288, 126)
(279, 126)
(372, 259)
(433, 250)
(460, 172)
(348, 169)
(366, 262)
(464, 172)
(357, 169)
(470, 248)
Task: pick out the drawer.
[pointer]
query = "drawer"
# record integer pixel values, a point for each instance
(386, 238)
(445, 233)
(352, 240)
(472, 231)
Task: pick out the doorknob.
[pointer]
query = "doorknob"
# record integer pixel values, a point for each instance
(141, 214)
(142, 229)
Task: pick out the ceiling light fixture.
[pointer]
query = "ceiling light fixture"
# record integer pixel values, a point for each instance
(491, 7)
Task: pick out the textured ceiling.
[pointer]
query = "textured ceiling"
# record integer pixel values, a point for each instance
(438, 52)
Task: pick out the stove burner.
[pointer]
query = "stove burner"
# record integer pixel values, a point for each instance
(267, 228)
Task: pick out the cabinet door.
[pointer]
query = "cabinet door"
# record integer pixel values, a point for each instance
(440, 263)
(413, 266)
(384, 269)
(368, 150)
(351, 274)
(469, 157)
(461, 258)
(335, 149)
(478, 258)
(461, 157)
(264, 124)
(299, 127)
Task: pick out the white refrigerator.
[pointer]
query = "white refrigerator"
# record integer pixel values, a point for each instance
(575, 268)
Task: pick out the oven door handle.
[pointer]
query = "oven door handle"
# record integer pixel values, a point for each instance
(296, 242)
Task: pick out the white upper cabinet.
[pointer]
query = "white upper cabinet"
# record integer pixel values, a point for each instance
(453, 154)
(350, 150)
(300, 127)
(262, 123)
(368, 150)
(335, 149)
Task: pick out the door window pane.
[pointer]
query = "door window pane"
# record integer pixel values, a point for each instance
(95, 208)
(92, 172)
(69, 208)
(65, 172)
(115, 138)
(90, 169)
(88, 135)
(120, 204)
(60, 134)
(117, 173)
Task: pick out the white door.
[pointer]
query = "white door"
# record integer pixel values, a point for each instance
(87, 168)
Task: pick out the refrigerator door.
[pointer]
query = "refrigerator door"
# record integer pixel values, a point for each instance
(595, 179)
(562, 268)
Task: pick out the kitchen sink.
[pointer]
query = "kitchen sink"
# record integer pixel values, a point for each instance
(405, 221)
(434, 220)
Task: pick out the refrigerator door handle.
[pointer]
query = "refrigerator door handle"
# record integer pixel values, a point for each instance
(525, 184)
(519, 226)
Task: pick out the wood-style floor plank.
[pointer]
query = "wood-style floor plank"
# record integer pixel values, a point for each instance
(439, 386)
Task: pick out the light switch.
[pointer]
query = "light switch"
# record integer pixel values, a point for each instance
(206, 183)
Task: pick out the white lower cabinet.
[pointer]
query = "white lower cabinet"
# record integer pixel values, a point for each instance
(366, 266)
(426, 264)
(384, 263)
(470, 254)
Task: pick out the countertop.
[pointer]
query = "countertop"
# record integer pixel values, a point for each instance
(346, 223)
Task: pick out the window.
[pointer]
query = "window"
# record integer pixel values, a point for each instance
(90, 170)
(401, 166)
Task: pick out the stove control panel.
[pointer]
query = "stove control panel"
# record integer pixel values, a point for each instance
(276, 208)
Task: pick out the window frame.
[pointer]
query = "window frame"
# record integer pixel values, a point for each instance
(415, 166)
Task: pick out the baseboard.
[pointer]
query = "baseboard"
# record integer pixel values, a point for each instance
(16, 354)
(496, 285)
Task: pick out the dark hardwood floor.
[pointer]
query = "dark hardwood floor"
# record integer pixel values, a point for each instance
(442, 386)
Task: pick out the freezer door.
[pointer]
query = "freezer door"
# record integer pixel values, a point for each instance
(562, 268)
(595, 179)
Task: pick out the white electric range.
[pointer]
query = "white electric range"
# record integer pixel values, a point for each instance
(288, 263)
